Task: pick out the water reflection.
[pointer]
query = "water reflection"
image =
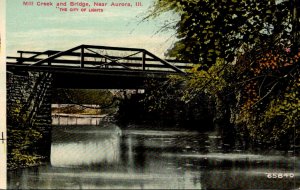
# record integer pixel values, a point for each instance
(81, 150)
(96, 157)
(85, 153)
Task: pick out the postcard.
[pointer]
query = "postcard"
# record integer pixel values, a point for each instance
(149, 94)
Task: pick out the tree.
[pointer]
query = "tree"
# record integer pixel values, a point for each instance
(215, 29)
(248, 62)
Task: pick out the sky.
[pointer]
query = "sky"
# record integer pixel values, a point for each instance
(40, 28)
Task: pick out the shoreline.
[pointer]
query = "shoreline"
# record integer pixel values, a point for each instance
(80, 115)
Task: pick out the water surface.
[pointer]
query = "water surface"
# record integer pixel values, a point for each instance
(97, 157)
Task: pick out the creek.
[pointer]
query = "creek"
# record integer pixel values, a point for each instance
(145, 157)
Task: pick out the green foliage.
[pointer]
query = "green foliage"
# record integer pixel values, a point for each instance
(106, 101)
(22, 138)
(263, 98)
(169, 104)
(20, 147)
(83, 96)
(215, 29)
(243, 64)
(210, 81)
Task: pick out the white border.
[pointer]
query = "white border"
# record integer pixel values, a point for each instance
(3, 174)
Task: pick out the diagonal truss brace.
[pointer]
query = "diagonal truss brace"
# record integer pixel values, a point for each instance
(115, 61)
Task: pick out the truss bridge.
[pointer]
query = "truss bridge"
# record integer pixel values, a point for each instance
(97, 67)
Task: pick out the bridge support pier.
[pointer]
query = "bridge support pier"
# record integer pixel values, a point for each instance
(29, 113)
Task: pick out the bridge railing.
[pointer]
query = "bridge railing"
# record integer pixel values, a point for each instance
(101, 57)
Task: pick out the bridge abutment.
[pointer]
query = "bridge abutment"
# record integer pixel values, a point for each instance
(29, 115)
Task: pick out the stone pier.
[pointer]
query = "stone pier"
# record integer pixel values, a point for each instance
(29, 107)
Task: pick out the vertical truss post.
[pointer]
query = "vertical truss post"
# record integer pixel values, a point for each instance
(82, 58)
(49, 62)
(143, 60)
(105, 61)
